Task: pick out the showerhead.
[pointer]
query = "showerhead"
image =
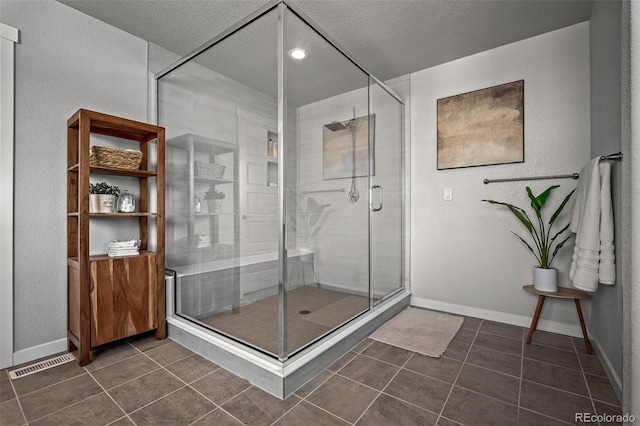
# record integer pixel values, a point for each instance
(336, 126)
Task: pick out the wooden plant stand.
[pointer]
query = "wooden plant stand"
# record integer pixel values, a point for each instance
(562, 293)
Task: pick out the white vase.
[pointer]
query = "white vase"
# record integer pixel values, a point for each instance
(214, 206)
(102, 203)
(545, 279)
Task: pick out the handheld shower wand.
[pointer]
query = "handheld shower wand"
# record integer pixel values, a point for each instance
(353, 194)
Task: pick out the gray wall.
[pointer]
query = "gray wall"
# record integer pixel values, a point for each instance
(65, 61)
(464, 257)
(606, 121)
(631, 203)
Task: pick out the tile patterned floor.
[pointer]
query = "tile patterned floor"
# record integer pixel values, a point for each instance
(487, 376)
(257, 322)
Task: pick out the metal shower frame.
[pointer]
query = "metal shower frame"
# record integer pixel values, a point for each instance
(283, 6)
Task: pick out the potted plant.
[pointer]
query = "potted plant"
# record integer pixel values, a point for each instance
(214, 201)
(545, 277)
(103, 197)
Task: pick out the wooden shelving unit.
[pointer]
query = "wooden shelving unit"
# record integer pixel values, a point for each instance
(110, 298)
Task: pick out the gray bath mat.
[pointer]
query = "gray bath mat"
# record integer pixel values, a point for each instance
(418, 330)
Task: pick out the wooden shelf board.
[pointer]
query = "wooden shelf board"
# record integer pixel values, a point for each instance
(106, 256)
(117, 172)
(135, 214)
(118, 127)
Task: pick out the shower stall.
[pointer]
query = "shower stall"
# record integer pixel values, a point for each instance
(285, 194)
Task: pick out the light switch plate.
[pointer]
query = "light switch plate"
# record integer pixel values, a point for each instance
(448, 194)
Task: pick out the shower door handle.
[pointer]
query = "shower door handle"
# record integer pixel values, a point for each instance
(371, 193)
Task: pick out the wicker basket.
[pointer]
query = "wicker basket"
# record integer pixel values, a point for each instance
(208, 170)
(102, 156)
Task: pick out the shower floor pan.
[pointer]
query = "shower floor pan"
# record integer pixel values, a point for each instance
(278, 378)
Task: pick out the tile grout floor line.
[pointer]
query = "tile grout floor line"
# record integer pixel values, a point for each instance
(109, 395)
(24, 417)
(173, 356)
(381, 391)
(459, 371)
(521, 374)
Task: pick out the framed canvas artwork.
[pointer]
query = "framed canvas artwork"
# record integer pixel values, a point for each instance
(481, 128)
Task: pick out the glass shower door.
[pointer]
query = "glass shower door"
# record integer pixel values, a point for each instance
(326, 164)
(386, 193)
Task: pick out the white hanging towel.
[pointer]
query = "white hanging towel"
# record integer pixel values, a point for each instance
(592, 222)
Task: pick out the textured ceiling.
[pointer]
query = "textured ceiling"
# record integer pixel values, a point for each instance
(388, 38)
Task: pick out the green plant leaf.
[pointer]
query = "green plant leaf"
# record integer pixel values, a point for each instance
(555, 215)
(517, 211)
(538, 202)
(541, 234)
(558, 234)
(558, 247)
(529, 247)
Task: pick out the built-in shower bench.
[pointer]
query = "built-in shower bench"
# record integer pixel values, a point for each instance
(208, 288)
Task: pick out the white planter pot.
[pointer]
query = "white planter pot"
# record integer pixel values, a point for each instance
(545, 279)
(214, 206)
(102, 203)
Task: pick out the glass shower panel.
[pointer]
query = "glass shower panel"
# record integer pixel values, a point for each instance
(386, 194)
(220, 110)
(327, 163)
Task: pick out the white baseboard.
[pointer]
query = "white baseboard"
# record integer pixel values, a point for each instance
(40, 351)
(573, 330)
(616, 383)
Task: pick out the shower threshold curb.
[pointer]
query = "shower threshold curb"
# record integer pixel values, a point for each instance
(278, 378)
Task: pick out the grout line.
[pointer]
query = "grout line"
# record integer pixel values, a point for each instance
(155, 400)
(459, 372)
(52, 384)
(76, 403)
(558, 389)
(331, 374)
(577, 370)
(381, 391)
(118, 419)
(521, 374)
(186, 385)
(499, 335)
(17, 400)
(116, 361)
(584, 377)
(289, 410)
(329, 412)
(109, 395)
(482, 367)
(205, 415)
(544, 415)
(191, 387)
(574, 350)
(383, 361)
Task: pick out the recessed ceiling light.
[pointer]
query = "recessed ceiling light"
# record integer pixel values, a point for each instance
(298, 53)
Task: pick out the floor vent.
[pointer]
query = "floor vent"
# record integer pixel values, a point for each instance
(42, 365)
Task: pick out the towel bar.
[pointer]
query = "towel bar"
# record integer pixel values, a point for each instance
(615, 157)
(571, 176)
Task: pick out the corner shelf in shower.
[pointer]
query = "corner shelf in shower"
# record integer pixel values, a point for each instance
(183, 187)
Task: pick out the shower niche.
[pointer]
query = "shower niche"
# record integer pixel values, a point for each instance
(293, 270)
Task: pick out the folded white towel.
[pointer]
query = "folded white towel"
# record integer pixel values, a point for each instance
(592, 221)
